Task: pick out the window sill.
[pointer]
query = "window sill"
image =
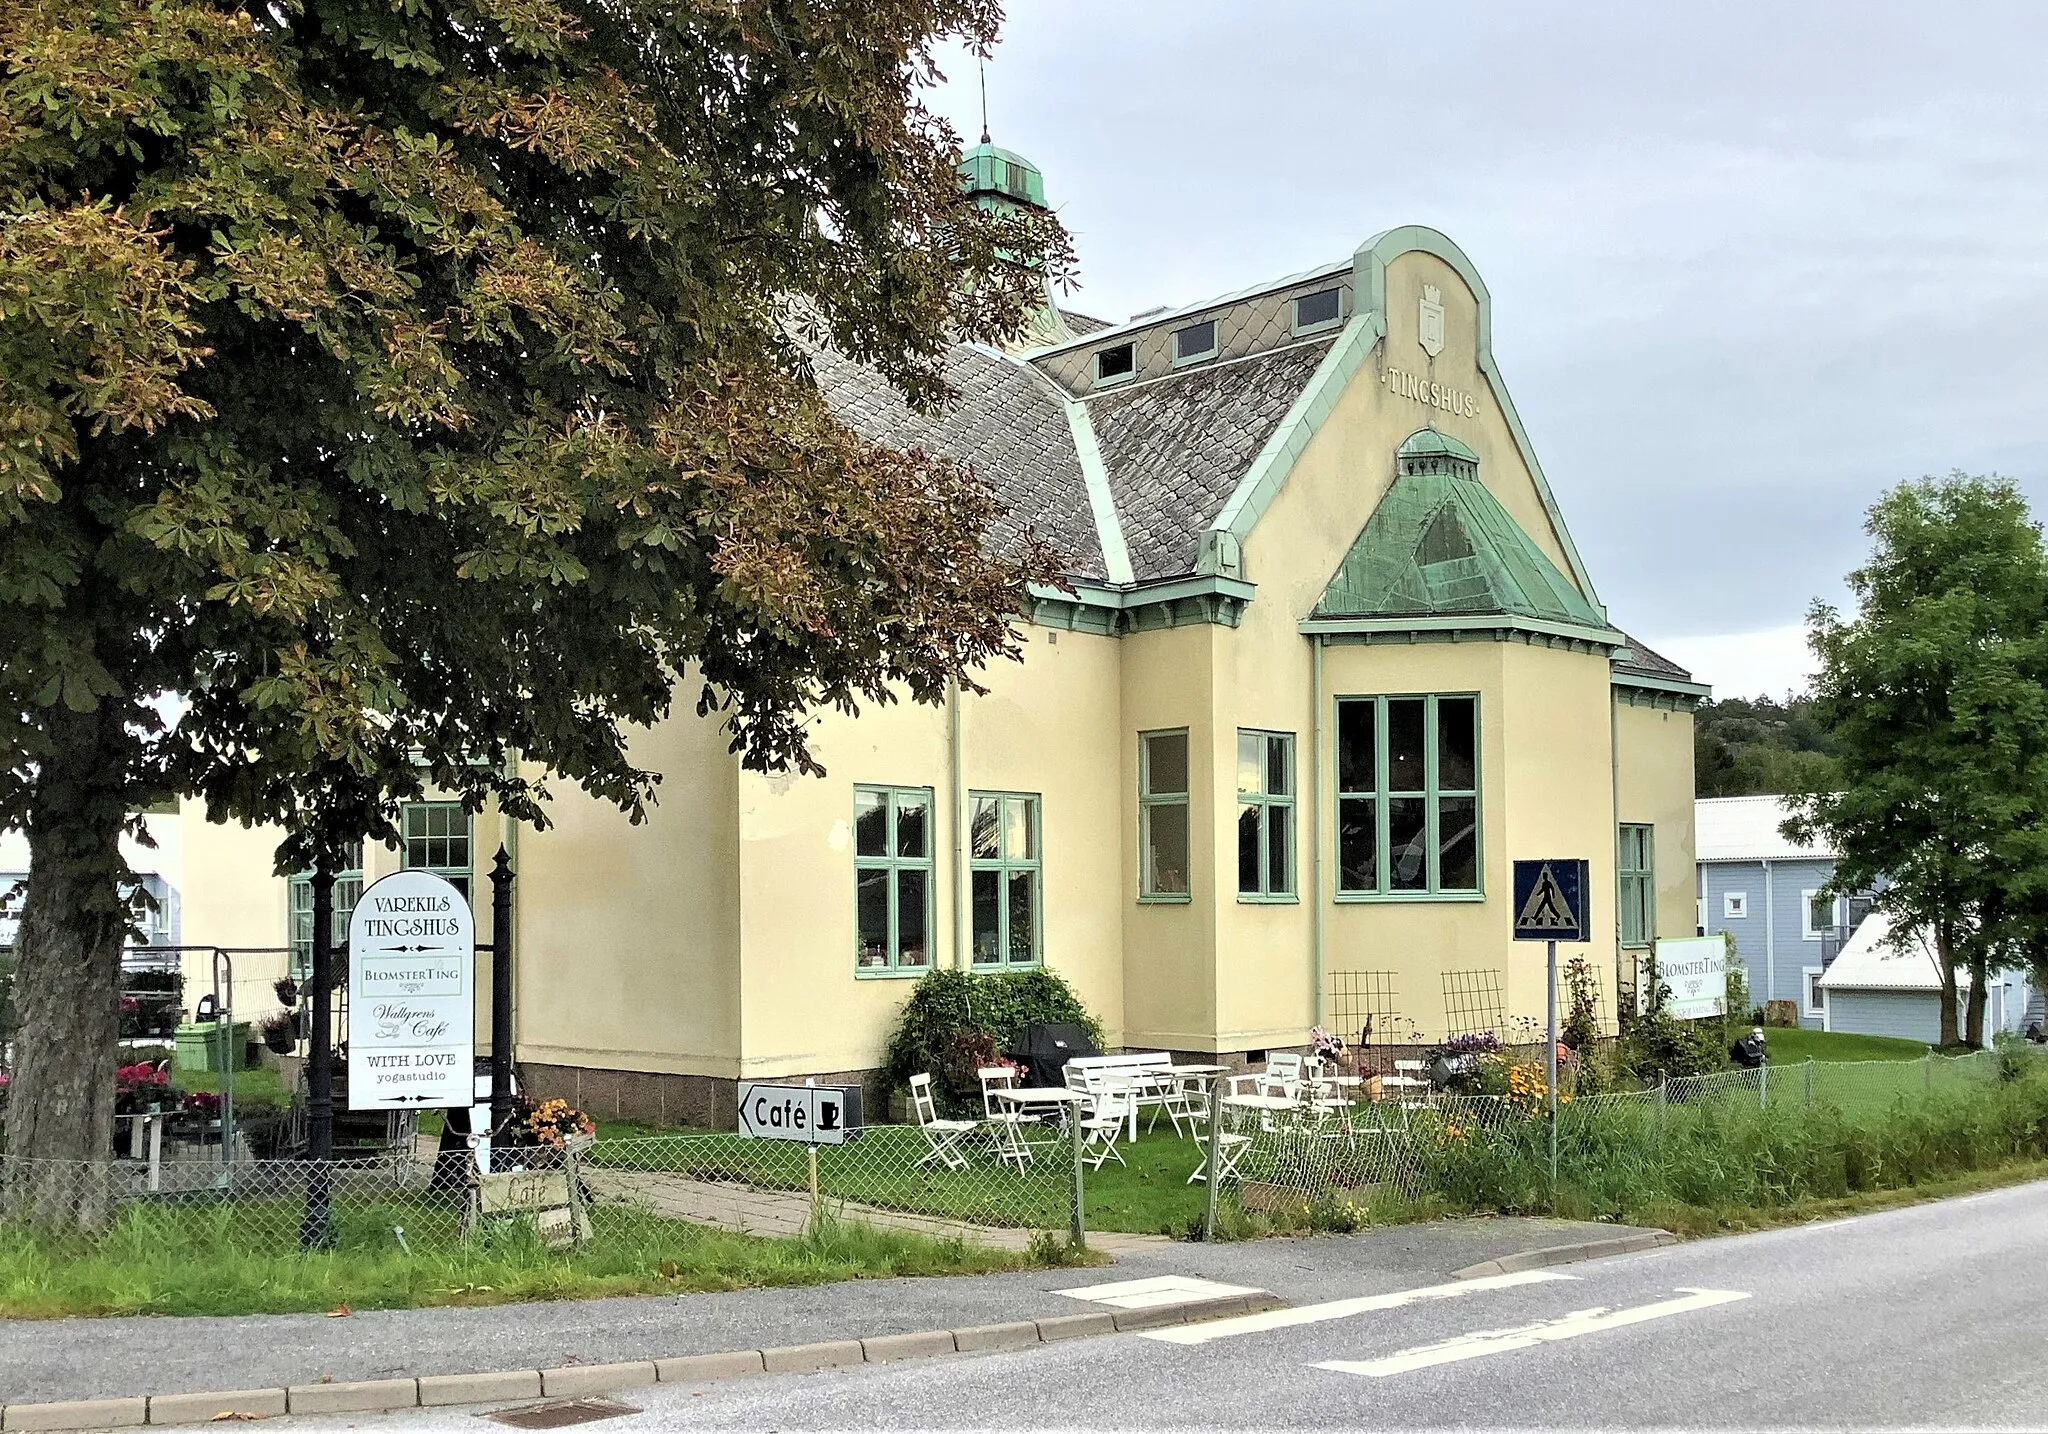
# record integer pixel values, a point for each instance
(1302, 331)
(890, 973)
(1163, 900)
(1381, 898)
(1248, 898)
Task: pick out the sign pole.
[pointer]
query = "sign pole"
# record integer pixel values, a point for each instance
(812, 1152)
(501, 998)
(1550, 1057)
(316, 1230)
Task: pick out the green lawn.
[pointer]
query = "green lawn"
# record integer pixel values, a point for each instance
(1788, 1044)
(1147, 1194)
(257, 1088)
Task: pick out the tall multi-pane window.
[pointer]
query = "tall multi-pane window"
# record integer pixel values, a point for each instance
(892, 879)
(1003, 873)
(1163, 816)
(1265, 815)
(436, 839)
(1408, 796)
(1635, 867)
(348, 890)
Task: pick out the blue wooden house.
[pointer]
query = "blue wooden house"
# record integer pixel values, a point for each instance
(1767, 892)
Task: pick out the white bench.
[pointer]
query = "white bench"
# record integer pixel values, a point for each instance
(1148, 1073)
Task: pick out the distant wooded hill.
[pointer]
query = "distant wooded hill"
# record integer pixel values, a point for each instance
(1746, 747)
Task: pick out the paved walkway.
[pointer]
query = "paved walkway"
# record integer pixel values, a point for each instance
(755, 1211)
(155, 1354)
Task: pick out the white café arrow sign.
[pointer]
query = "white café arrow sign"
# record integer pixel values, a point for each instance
(411, 995)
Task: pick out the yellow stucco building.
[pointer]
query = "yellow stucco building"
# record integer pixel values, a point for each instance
(1329, 664)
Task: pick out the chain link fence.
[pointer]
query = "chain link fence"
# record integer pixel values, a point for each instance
(1307, 1159)
(627, 1194)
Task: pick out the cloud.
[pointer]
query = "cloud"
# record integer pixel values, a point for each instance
(1752, 263)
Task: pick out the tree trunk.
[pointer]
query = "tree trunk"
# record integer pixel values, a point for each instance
(1945, 957)
(60, 1098)
(1980, 978)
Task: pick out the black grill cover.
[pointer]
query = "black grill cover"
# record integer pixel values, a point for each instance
(1045, 1048)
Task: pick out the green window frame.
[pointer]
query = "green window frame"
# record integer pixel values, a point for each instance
(436, 837)
(348, 890)
(1005, 886)
(1165, 843)
(1407, 809)
(1265, 816)
(892, 880)
(1635, 867)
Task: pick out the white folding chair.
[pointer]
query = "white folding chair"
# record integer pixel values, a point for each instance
(1005, 1121)
(1111, 1109)
(943, 1136)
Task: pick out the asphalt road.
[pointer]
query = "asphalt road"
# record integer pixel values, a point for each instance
(1928, 1317)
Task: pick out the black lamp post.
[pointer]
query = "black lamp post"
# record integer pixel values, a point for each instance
(501, 998)
(316, 1231)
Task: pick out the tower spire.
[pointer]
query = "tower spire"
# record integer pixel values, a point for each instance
(984, 99)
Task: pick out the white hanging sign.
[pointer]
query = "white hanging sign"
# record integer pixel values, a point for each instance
(1696, 970)
(411, 995)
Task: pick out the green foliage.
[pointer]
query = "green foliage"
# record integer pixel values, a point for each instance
(1734, 1155)
(1582, 1005)
(1747, 746)
(1935, 695)
(1656, 1045)
(955, 1018)
(423, 394)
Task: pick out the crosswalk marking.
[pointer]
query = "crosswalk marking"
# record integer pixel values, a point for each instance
(1160, 1290)
(1500, 1341)
(1338, 1309)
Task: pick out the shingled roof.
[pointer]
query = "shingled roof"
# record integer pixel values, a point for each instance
(1644, 661)
(1173, 448)
(1176, 447)
(1005, 423)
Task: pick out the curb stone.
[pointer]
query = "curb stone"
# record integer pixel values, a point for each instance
(1567, 1254)
(514, 1385)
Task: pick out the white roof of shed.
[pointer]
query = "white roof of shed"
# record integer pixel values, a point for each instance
(1745, 829)
(1871, 960)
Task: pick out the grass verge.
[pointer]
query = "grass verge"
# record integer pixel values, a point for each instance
(1739, 1162)
(196, 1261)
(1792, 1043)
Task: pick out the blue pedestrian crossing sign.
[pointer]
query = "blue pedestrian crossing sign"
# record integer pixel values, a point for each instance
(1550, 900)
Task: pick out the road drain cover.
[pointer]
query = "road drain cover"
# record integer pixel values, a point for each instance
(562, 1414)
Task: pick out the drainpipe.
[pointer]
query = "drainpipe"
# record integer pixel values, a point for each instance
(1614, 827)
(1770, 937)
(1315, 846)
(958, 797)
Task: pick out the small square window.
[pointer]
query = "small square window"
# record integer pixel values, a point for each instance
(1320, 310)
(1814, 994)
(1734, 905)
(1196, 341)
(1112, 364)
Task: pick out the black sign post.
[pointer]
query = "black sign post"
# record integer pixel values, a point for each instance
(501, 1001)
(1550, 906)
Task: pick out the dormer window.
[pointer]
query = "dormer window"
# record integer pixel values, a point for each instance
(1115, 364)
(1321, 310)
(1195, 342)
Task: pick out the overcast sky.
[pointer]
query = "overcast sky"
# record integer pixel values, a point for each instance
(1751, 263)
